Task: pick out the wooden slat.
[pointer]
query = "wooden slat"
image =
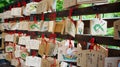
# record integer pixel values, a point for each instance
(113, 53)
(98, 39)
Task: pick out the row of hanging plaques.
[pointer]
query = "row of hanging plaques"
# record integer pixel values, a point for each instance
(30, 8)
(18, 48)
(42, 6)
(67, 26)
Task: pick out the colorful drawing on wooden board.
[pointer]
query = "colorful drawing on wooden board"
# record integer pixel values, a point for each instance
(69, 56)
(9, 49)
(33, 26)
(67, 52)
(98, 27)
(24, 55)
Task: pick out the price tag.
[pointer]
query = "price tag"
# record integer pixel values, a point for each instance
(24, 40)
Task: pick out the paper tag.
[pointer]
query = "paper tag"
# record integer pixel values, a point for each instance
(33, 61)
(31, 8)
(16, 12)
(50, 48)
(17, 53)
(23, 63)
(34, 26)
(7, 14)
(17, 47)
(24, 40)
(56, 49)
(51, 26)
(68, 42)
(25, 11)
(9, 38)
(80, 27)
(14, 62)
(44, 26)
(70, 27)
(98, 27)
(63, 64)
(14, 26)
(2, 56)
(33, 44)
(5, 26)
(23, 25)
(42, 6)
